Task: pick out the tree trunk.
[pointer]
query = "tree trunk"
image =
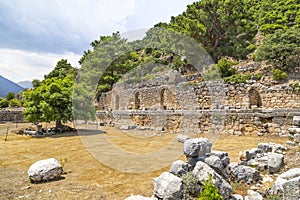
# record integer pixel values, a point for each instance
(58, 124)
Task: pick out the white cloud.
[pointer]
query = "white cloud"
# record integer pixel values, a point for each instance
(17, 65)
(58, 26)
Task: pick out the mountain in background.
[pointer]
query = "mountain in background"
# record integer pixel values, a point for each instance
(7, 86)
(25, 84)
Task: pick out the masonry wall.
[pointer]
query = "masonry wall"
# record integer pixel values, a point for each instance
(11, 116)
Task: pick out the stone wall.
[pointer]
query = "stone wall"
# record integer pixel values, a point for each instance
(11, 116)
(172, 103)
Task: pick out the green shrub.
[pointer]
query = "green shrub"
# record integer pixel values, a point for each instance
(279, 74)
(15, 103)
(10, 96)
(190, 183)
(4, 103)
(225, 67)
(210, 192)
(236, 78)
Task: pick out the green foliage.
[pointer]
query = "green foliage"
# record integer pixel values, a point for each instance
(4, 103)
(210, 192)
(279, 75)
(236, 78)
(52, 99)
(296, 87)
(274, 197)
(15, 103)
(276, 14)
(225, 67)
(10, 96)
(225, 27)
(281, 49)
(190, 183)
(211, 73)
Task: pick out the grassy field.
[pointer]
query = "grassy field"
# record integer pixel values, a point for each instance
(86, 177)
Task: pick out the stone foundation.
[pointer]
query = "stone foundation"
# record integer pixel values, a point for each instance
(11, 116)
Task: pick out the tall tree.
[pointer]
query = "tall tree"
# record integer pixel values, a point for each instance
(51, 100)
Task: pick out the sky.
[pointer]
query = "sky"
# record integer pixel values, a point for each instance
(35, 34)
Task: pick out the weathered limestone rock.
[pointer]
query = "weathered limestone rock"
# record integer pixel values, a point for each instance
(202, 171)
(253, 153)
(179, 167)
(139, 197)
(291, 189)
(223, 156)
(275, 162)
(290, 143)
(265, 147)
(182, 138)
(252, 195)
(243, 173)
(236, 197)
(289, 175)
(168, 186)
(296, 120)
(196, 147)
(45, 170)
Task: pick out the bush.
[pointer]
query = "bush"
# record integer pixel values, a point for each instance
(190, 184)
(209, 191)
(225, 67)
(279, 74)
(281, 49)
(10, 96)
(4, 103)
(15, 103)
(236, 78)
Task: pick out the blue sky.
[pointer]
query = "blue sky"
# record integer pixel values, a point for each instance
(35, 34)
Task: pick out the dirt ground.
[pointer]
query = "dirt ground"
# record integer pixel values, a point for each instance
(86, 177)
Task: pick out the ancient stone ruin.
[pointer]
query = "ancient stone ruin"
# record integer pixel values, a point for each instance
(204, 163)
(172, 103)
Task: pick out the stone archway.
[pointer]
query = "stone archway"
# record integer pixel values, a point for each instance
(117, 102)
(254, 98)
(137, 101)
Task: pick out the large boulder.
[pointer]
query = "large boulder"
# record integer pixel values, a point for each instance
(179, 168)
(168, 186)
(203, 172)
(236, 197)
(196, 147)
(275, 162)
(291, 189)
(241, 173)
(290, 175)
(45, 170)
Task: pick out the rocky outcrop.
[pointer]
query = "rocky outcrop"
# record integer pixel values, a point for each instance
(45, 170)
(289, 178)
(168, 186)
(179, 167)
(196, 147)
(203, 172)
(241, 173)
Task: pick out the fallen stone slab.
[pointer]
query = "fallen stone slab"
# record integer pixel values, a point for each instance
(275, 162)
